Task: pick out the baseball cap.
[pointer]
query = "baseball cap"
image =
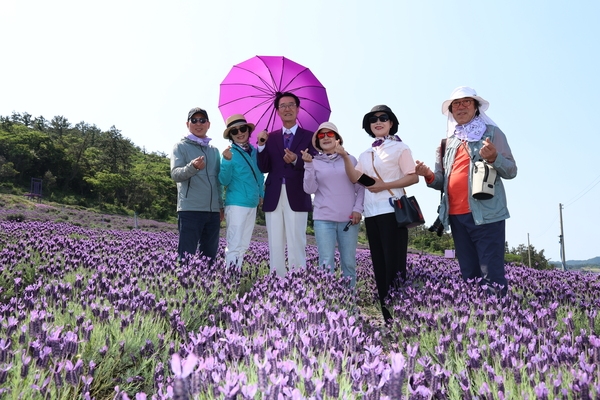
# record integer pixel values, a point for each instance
(196, 110)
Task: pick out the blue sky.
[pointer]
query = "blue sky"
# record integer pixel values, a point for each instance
(140, 66)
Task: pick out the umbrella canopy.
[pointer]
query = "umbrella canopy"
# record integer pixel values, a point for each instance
(250, 88)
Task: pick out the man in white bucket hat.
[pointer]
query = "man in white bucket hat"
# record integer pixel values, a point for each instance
(477, 224)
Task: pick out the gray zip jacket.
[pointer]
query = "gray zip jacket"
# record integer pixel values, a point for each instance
(197, 190)
(484, 211)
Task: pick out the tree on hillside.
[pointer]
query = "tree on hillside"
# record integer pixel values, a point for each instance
(151, 188)
(59, 126)
(107, 186)
(40, 124)
(27, 120)
(117, 151)
(538, 260)
(6, 124)
(15, 117)
(7, 169)
(31, 152)
(77, 141)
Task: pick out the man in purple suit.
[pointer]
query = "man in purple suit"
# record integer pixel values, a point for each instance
(286, 205)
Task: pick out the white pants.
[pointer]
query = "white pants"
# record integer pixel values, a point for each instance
(240, 224)
(285, 225)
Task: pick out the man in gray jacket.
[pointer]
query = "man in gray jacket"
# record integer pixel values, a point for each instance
(195, 167)
(477, 220)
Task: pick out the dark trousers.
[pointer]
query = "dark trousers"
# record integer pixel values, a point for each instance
(198, 230)
(388, 245)
(479, 249)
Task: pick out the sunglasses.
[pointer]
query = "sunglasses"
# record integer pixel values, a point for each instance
(242, 129)
(321, 135)
(347, 226)
(198, 120)
(382, 118)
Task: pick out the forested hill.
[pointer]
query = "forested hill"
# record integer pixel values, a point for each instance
(592, 262)
(83, 165)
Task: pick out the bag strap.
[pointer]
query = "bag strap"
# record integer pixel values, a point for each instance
(377, 173)
(442, 154)
(247, 162)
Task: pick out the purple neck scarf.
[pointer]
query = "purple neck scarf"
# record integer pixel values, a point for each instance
(379, 142)
(201, 141)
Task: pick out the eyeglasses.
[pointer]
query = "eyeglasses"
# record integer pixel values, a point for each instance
(287, 105)
(242, 129)
(321, 135)
(198, 120)
(382, 118)
(463, 102)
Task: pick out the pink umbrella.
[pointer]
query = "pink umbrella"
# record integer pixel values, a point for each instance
(251, 86)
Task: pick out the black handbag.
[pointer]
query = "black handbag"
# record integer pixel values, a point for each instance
(408, 212)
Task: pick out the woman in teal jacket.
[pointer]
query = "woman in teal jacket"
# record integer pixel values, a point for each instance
(243, 185)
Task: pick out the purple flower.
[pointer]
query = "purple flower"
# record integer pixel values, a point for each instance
(541, 391)
(249, 391)
(183, 368)
(398, 363)
(70, 343)
(4, 349)
(26, 360)
(474, 358)
(4, 372)
(87, 381)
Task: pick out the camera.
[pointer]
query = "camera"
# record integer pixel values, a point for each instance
(437, 227)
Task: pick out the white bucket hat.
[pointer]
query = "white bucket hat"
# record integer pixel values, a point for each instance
(460, 93)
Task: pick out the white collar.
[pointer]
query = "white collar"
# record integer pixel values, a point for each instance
(292, 129)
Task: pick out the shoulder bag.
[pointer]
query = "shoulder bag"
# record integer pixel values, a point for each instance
(407, 210)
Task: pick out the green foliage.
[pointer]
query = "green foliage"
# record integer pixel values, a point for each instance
(512, 258)
(362, 233)
(421, 239)
(523, 253)
(82, 165)
(7, 169)
(8, 188)
(260, 217)
(16, 217)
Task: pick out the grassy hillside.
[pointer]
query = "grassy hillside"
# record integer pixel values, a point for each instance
(14, 207)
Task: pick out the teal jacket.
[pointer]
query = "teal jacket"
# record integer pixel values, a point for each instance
(484, 211)
(241, 179)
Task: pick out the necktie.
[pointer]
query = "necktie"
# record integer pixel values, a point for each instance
(287, 139)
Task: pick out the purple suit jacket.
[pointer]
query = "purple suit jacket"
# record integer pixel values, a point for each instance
(270, 161)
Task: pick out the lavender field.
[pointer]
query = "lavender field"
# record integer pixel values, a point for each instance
(91, 311)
